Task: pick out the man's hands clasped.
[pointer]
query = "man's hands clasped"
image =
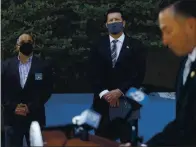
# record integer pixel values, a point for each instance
(22, 109)
(112, 97)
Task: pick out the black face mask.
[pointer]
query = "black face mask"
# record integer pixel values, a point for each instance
(26, 49)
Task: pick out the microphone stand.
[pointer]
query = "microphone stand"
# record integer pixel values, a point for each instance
(82, 133)
(136, 139)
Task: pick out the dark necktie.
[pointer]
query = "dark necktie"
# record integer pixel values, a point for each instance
(114, 52)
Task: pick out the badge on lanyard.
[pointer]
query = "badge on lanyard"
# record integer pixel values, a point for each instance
(38, 76)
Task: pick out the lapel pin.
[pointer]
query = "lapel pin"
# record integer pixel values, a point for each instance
(192, 74)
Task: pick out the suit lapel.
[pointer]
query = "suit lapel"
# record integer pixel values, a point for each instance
(32, 70)
(183, 91)
(189, 78)
(16, 70)
(123, 50)
(180, 78)
(180, 86)
(107, 50)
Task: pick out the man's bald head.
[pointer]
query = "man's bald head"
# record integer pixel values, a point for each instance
(25, 44)
(24, 38)
(178, 25)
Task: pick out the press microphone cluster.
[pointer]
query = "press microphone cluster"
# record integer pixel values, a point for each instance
(82, 123)
(137, 98)
(86, 121)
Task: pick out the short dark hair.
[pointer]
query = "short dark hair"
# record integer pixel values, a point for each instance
(114, 10)
(186, 8)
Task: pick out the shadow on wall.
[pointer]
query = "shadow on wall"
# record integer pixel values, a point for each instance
(162, 67)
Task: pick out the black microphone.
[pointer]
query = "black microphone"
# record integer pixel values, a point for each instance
(88, 120)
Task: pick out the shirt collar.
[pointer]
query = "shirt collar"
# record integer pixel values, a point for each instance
(192, 55)
(29, 59)
(120, 39)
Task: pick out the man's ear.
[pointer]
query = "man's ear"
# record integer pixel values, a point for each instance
(17, 48)
(192, 23)
(17, 45)
(124, 23)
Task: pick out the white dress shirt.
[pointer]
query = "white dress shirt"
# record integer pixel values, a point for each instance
(119, 46)
(24, 69)
(191, 59)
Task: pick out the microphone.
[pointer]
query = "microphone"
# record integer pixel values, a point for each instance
(35, 135)
(87, 117)
(87, 120)
(80, 126)
(137, 97)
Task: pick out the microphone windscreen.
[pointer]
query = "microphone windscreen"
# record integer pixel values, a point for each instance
(35, 134)
(137, 95)
(93, 118)
(87, 117)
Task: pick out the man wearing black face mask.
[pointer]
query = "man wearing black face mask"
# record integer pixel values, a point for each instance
(26, 86)
(117, 64)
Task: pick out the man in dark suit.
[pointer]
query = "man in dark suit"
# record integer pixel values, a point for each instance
(117, 63)
(178, 25)
(26, 86)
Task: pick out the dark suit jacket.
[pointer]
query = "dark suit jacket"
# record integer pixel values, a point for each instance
(35, 92)
(129, 70)
(181, 131)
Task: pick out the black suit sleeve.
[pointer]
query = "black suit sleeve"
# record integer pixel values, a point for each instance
(166, 137)
(7, 103)
(41, 97)
(138, 73)
(180, 131)
(173, 135)
(96, 71)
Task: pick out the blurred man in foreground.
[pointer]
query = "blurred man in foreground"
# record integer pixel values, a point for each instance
(26, 86)
(178, 25)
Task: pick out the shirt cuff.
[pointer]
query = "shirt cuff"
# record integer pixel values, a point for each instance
(121, 92)
(103, 93)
